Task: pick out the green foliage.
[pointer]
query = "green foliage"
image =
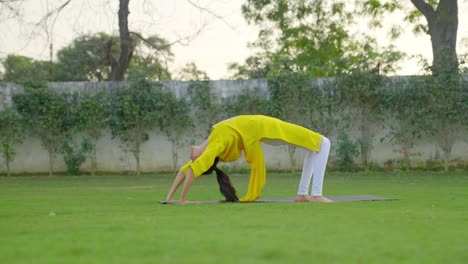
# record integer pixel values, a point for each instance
(288, 103)
(24, 70)
(433, 107)
(86, 58)
(206, 110)
(92, 118)
(11, 134)
(247, 102)
(190, 72)
(346, 151)
(312, 37)
(286, 96)
(75, 155)
(177, 123)
(89, 58)
(306, 36)
(134, 111)
(444, 111)
(254, 67)
(361, 91)
(322, 110)
(48, 115)
(403, 105)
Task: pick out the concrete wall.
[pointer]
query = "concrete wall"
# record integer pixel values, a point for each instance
(7, 90)
(156, 153)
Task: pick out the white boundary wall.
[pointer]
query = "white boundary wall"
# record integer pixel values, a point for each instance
(156, 153)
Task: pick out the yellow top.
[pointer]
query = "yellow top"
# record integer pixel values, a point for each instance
(230, 137)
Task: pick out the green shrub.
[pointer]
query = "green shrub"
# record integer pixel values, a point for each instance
(346, 152)
(74, 155)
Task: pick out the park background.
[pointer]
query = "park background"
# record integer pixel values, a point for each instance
(146, 72)
(356, 47)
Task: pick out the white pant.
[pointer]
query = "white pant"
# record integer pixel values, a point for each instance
(314, 164)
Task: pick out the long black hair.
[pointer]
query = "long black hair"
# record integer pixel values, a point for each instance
(225, 185)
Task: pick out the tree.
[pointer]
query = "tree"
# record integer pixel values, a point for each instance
(89, 57)
(176, 124)
(300, 36)
(10, 9)
(247, 102)
(134, 112)
(287, 101)
(75, 154)
(120, 54)
(190, 72)
(444, 86)
(11, 134)
(119, 66)
(205, 108)
(322, 110)
(361, 92)
(85, 59)
(403, 107)
(441, 25)
(24, 70)
(346, 151)
(48, 115)
(445, 111)
(93, 117)
(254, 67)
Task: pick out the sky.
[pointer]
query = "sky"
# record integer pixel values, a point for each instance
(211, 39)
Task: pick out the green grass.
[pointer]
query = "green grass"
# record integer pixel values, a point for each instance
(116, 219)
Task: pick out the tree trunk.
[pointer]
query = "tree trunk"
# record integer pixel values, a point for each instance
(8, 166)
(175, 155)
(51, 162)
(137, 157)
(138, 139)
(442, 27)
(94, 158)
(446, 140)
(119, 68)
(292, 151)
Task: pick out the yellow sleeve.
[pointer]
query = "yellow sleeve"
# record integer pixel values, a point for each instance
(186, 167)
(254, 156)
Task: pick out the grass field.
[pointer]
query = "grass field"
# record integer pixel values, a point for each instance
(117, 219)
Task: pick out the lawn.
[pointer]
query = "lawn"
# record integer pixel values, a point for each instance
(117, 219)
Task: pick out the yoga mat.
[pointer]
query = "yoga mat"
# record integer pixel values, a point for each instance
(352, 198)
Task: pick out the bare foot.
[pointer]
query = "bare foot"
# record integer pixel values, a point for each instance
(320, 199)
(302, 198)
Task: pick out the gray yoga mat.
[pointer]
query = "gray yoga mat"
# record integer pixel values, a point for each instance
(352, 198)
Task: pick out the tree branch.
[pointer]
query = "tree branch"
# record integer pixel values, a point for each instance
(206, 10)
(424, 8)
(53, 12)
(12, 7)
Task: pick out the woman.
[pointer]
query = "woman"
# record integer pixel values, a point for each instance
(229, 138)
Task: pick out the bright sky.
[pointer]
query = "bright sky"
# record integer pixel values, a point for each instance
(220, 41)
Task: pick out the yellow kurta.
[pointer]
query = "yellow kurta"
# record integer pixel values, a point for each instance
(244, 133)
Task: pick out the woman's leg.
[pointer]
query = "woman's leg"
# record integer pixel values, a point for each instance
(307, 171)
(319, 167)
(314, 164)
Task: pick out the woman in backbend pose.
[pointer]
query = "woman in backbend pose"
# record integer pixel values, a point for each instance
(229, 138)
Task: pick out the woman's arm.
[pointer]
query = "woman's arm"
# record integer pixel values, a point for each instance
(177, 181)
(188, 182)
